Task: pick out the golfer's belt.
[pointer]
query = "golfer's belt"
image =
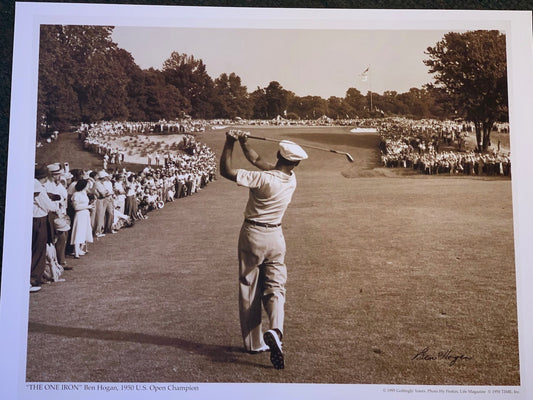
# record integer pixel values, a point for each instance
(261, 224)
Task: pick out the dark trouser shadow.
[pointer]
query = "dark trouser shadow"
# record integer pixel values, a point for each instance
(217, 353)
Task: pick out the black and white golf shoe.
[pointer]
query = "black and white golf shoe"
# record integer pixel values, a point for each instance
(271, 338)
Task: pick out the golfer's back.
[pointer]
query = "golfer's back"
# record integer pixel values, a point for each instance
(270, 194)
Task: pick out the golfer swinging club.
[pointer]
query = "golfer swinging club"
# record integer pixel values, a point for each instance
(262, 270)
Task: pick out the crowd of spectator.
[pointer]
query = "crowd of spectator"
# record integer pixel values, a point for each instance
(100, 139)
(72, 208)
(438, 147)
(423, 126)
(132, 128)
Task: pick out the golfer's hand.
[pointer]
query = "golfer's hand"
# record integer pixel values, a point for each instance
(243, 136)
(231, 135)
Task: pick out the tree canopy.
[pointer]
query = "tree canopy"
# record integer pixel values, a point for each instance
(231, 97)
(82, 76)
(470, 72)
(85, 77)
(189, 75)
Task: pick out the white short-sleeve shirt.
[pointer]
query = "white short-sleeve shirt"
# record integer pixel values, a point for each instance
(270, 194)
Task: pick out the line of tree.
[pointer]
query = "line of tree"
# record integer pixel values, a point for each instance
(85, 77)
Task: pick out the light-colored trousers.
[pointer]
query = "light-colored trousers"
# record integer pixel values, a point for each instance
(262, 278)
(104, 215)
(99, 216)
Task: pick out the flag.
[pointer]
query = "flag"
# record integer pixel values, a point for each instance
(364, 74)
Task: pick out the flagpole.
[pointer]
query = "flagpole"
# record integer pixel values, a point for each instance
(365, 76)
(370, 86)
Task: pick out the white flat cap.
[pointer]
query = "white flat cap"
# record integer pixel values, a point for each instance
(291, 151)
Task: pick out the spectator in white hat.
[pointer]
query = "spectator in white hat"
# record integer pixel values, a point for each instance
(109, 202)
(42, 205)
(59, 230)
(101, 193)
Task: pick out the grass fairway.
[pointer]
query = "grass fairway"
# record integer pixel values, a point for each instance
(382, 265)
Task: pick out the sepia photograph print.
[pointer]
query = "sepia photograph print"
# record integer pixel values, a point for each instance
(274, 202)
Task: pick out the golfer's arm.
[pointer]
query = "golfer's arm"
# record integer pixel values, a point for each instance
(226, 163)
(254, 158)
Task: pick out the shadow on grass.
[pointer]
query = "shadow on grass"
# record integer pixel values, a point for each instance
(216, 352)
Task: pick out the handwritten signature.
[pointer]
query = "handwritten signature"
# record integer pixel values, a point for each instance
(448, 355)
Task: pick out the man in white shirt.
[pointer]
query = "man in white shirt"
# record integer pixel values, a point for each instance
(109, 203)
(104, 204)
(59, 192)
(262, 270)
(42, 205)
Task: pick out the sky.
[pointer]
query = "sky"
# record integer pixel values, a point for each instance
(307, 62)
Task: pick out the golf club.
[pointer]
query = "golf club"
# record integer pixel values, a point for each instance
(348, 156)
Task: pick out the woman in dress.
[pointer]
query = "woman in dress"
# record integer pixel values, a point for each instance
(81, 227)
(130, 206)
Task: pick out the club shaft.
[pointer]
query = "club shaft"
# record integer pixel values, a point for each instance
(301, 145)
